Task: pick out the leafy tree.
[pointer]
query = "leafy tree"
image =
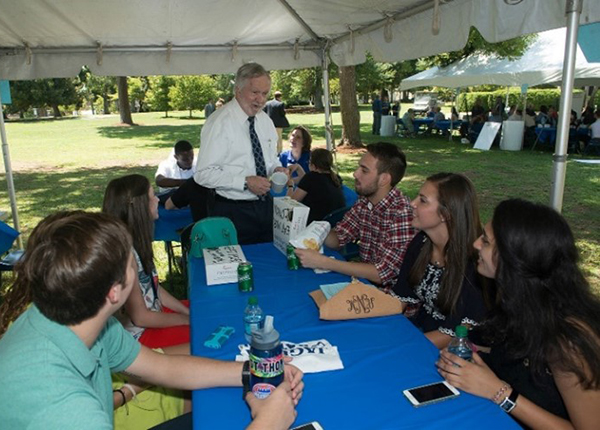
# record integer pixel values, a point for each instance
(22, 95)
(224, 85)
(138, 88)
(192, 92)
(94, 87)
(157, 97)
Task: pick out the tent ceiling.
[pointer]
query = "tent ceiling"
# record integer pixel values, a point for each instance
(45, 38)
(541, 64)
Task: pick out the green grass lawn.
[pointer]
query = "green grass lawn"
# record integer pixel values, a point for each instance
(66, 164)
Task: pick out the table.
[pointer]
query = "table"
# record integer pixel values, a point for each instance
(382, 356)
(167, 228)
(545, 135)
(418, 122)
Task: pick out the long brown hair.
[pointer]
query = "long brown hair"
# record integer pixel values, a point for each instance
(127, 199)
(458, 205)
(306, 137)
(323, 160)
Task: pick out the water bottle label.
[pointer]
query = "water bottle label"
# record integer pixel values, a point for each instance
(270, 367)
(262, 391)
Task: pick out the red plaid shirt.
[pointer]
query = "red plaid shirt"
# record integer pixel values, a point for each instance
(383, 231)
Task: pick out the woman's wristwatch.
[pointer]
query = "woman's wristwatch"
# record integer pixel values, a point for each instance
(245, 378)
(510, 402)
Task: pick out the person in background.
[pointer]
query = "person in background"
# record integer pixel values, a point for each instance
(542, 361)
(454, 114)
(300, 141)
(321, 188)
(276, 111)
(385, 105)
(219, 104)
(587, 116)
(542, 118)
(380, 221)
(78, 271)
(552, 116)
(407, 120)
(175, 169)
(396, 110)
(516, 115)
(152, 315)
(239, 154)
(376, 108)
(439, 116)
(209, 108)
(438, 285)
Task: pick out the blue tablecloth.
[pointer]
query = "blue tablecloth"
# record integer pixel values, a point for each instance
(170, 223)
(546, 135)
(418, 122)
(382, 356)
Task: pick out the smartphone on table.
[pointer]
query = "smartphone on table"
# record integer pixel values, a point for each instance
(310, 426)
(430, 393)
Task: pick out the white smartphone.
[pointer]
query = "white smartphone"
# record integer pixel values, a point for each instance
(310, 426)
(430, 393)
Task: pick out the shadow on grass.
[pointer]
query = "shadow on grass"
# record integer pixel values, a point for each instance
(42, 193)
(163, 135)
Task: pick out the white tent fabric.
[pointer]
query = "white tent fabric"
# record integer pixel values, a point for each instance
(41, 38)
(542, 63)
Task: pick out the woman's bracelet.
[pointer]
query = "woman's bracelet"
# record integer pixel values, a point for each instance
(130, 389)
(500, 392)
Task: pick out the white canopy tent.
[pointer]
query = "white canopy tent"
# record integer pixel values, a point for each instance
(542, 63)
(43, 39)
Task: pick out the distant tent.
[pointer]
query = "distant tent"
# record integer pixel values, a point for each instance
(542, 63)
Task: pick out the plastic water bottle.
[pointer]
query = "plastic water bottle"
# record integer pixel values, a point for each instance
(266, 360)
(254, 318)
(460, 345)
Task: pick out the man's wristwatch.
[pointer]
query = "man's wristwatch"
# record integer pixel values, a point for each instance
(245, 185)
(510, 402)
(245, 378)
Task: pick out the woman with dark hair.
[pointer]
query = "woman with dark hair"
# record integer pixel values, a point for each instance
(321, 188)
(543, 365)
(299, 152)
(152, 315)
(438, 285)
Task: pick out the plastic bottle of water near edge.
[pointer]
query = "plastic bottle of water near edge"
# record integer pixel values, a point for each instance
(460, 345)
(254, 318)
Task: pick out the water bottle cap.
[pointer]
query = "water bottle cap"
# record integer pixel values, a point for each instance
(253, 300)
(461, 331)
(266, 337)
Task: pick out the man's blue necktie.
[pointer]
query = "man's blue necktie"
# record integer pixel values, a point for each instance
(259, 159)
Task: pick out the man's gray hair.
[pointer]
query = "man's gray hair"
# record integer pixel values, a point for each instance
(247, 72)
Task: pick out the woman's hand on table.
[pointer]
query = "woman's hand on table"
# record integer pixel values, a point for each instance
(294, 376)
(473, 377)
(275, 412)
(312, 259)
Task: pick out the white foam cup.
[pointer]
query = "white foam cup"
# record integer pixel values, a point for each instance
(278, 181)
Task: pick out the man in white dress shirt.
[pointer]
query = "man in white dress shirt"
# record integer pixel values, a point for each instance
(238, 154)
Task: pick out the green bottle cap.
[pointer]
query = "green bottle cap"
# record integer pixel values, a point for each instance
(461, 331)
(253, 300)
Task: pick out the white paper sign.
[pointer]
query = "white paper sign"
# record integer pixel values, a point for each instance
(487, 135)
(222, 263)
(289, 219)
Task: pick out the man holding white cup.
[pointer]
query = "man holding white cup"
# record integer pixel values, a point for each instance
(238, 154)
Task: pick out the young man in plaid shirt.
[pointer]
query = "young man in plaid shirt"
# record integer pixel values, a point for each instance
(380, 221)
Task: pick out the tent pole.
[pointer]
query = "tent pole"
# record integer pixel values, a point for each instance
(559, 170)
(327, 100)
(9, 177)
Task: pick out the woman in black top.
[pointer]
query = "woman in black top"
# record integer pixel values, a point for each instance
(321, 188)
(543, 366)
(437, 285)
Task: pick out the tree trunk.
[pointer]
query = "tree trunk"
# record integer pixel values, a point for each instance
(319, 89)
(106, 108)
(124, 107)
(190, 113)
(349, 108)
(56, 111)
